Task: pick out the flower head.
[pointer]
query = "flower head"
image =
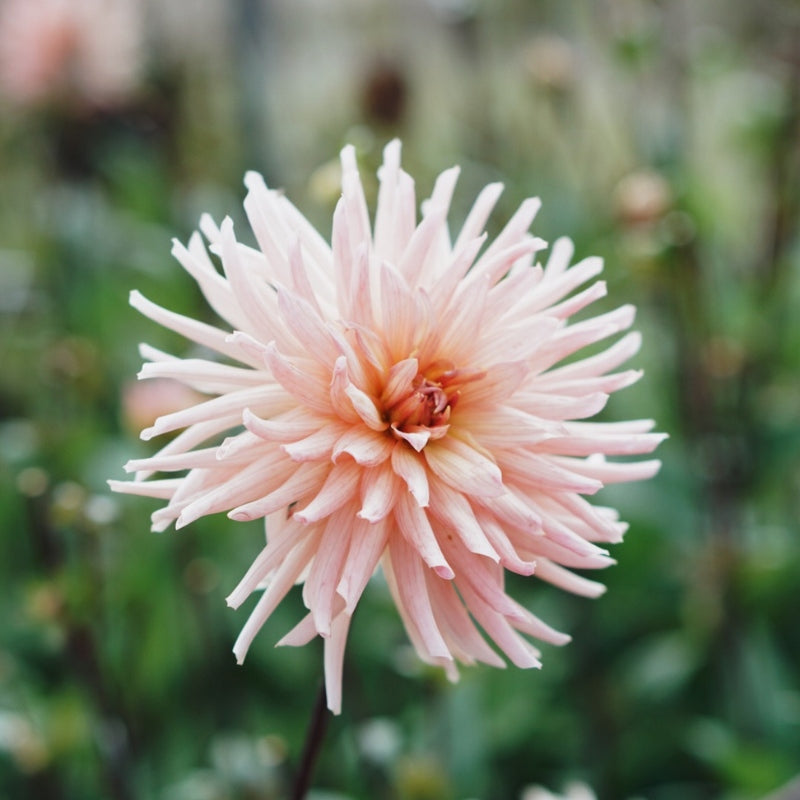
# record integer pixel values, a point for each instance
(396, 399)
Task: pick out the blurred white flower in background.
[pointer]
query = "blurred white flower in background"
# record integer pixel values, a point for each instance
(574, 790)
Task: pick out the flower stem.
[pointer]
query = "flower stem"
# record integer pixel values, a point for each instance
(313, 744)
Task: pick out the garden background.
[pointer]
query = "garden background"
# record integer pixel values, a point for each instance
(663, 136)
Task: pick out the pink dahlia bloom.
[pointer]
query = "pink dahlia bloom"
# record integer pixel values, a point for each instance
(396, 399)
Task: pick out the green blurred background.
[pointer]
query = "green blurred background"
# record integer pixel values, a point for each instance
(664, 136)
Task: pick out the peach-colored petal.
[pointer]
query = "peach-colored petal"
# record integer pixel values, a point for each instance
(318, 445)
(367, 545)
(365, 445)
(281, 580)
(415, 527)
(411, 469)
(406, 579)
(319, 588)
(338, 489)
(453, 512)
(464, 468)
(307, 385)
(297, 486)
(380, 490)
(334, 661)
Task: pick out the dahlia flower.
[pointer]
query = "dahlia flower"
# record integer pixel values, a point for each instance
(397, 399)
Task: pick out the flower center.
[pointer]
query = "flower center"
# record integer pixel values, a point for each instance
(430, 399)
(427, 404)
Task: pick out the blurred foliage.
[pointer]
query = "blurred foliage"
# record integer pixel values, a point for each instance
(662, 136)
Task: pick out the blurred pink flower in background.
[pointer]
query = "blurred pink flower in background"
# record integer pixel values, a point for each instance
(90, 50)
(143, 402)
(404, 404)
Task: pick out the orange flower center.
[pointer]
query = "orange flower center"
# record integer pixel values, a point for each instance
(431, 398)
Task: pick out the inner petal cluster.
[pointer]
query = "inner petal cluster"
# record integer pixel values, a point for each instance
(422, 401)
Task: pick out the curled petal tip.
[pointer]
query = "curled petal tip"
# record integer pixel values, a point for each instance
(445, 572)
(253, 179)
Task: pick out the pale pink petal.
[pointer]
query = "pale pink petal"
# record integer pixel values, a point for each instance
(367, 544)
(398, 312)
(545, 472)
(399, 380)
(516, 228)
(194, 459)
(485, 579)
(561, 407)
(256, 298)
(267, 399)
(453, 272)
(204, 376)
(456, 626)
(163, 489)
(510, 510)
(281, 580)
(214, 286)
(579, 301)
(366, 446)
(268, 560)
(309, 386)
(509, 557)
(317, 446)
(411, 468)
(501, 381)
(453, 511)
(407, 581)
(416, 529)
(380, 490)
(611, 472)
(301, 283)
(191, 329)
(412, 261)
(340, 403)
(568, 581)
(236, 486)
(553, 288)
(338, 488)
(618, 353)
(416, 437)
(302, 319)
(464, 468)
(334, 661)
(479, 213)
(520, 652)
(307, 477)
(319, 588)
(353, 195)
(287, 427)
(581, 387)
(621, 444)
(365, 407)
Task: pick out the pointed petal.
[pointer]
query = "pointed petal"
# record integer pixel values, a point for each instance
(464, 468)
